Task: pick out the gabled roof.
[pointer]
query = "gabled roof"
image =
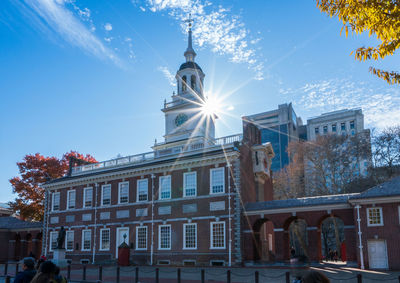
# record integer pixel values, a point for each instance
(387, 189)
(15, 223)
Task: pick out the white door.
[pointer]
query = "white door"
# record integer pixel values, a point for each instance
(377, 254)
(121, 232)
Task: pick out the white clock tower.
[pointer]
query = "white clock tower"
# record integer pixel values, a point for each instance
(185, 122)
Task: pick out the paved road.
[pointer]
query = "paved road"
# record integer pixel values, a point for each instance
(217, 275)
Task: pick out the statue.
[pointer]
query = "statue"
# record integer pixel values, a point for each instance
(61, 238)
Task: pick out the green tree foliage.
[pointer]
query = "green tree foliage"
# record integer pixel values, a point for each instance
(380, 18)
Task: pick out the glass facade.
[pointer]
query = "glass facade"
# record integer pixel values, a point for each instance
(278, 136)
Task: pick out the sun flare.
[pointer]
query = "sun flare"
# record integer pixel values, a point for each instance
(211, 107)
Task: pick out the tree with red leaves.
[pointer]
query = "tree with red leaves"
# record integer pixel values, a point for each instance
(35, 170)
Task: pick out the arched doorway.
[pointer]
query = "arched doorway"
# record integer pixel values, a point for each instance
(332, 239)
(38, 245)
(29, 245)
(298, 238)
(264, 240)
(17, 248)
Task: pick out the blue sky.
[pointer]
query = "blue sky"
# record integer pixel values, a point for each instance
(92, 76)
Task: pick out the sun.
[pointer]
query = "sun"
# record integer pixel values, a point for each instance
(211, 106)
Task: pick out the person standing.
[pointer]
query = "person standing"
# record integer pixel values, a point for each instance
(28, 272)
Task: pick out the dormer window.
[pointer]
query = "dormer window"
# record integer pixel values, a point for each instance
(184, 83)
(193, 82)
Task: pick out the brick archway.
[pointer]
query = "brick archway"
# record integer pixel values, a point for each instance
(328, 232)
(263, 240)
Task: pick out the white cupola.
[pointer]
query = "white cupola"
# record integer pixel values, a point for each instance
(184, 119)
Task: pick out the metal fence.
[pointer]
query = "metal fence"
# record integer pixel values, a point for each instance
(110, 273)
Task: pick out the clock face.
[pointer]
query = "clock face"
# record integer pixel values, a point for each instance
(180, 119)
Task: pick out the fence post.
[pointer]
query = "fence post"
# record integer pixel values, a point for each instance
(100, 272)
(228, 276)
(8, 279)
(203, 276)
(137, 275)
(84, 272)
(359, 278)
(179, 275)
(118, 274)
(16, 268)
(69, 271)
(287, 277)
(256, 277)
(5, 268)
(157, 275)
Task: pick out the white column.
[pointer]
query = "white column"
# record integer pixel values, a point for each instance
(359, 237)
(152, 219)
(228, 166)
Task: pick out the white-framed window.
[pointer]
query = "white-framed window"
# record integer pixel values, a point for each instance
(141, 237)
(55, 201)
(71, 199)
(189, 184)
(217, 235)
(53, 241)
(190, 236)
(142, 190)
(217, 180)
(86, 240)
(106, 194)
(87, 197)
(123, 192)
(104, 239)
(374, 216)
(69, 240)
(165, 187)
(164, 237)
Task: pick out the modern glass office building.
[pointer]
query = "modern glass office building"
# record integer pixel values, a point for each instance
(279, 127)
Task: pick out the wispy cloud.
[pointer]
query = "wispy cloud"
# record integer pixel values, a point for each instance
(380, 105)
(214, 27)
(108, 27)
(53, 16)
(168, 75)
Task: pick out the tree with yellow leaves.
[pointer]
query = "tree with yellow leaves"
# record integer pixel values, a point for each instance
(378, 17)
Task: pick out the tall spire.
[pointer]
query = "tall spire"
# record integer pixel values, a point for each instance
(189, 53)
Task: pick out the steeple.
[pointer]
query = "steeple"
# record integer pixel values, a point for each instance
(189, 53)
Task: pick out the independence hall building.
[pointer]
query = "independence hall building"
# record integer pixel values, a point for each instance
(179, 204)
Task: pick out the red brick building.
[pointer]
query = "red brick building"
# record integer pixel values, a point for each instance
(180, 204)
(200, 200)
(19, 238)
(371, 218)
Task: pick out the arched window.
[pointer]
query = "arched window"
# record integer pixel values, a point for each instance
(184, 83)
(193, 82)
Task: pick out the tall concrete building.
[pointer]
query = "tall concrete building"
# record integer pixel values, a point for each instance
(344, 122)
(279, 127)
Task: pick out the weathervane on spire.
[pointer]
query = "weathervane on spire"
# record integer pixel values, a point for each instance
(189, 53)
(189, 21)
